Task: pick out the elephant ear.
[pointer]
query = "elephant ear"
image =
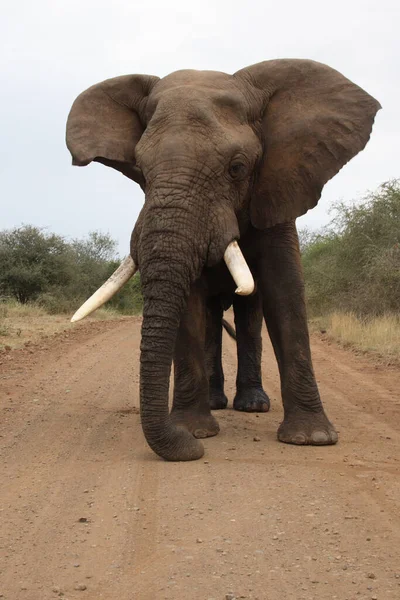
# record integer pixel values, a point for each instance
(313, 122)
(107, 120)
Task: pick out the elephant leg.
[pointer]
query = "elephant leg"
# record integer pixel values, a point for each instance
(282, 289)
(250, 395)
(191, 406)
(218, 400)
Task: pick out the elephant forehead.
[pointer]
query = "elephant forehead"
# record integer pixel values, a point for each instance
(202, 95)
(210, 79)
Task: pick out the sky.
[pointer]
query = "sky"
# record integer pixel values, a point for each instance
(51, 50)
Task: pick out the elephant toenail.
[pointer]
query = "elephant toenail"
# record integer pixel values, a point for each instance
(299, 438)
(319, 437)
(200, 433)
(334, 436)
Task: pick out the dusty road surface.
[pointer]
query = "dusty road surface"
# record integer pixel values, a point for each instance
(88, 512)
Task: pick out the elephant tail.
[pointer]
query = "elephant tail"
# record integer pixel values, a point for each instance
(229, 329)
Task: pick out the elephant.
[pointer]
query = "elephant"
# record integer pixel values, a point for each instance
(227, 163)
(250, 395)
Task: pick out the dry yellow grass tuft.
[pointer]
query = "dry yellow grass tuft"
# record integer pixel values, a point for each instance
(380, 335)
(20, 323)
(15, 310)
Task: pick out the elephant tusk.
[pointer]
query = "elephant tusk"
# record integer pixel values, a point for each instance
(239, 269)
(125, 271)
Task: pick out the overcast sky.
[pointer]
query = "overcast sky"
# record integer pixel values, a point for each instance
(51, 50)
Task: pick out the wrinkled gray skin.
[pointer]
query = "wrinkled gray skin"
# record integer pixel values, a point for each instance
(222, 157)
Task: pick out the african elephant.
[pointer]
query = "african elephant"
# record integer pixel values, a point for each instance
(250, 395)
(221, 158)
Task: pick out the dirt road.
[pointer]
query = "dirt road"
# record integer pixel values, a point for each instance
(88, 512)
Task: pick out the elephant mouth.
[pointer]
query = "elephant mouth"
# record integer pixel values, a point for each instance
(233, 258)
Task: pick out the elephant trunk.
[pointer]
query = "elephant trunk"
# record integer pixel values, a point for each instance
(159, 331)
(168, 265)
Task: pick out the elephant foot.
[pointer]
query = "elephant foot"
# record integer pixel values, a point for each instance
(251, 400)
(310, 428)
(218, 400)
(200, 425)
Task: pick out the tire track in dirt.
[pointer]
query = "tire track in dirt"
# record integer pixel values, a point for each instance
(258, 519)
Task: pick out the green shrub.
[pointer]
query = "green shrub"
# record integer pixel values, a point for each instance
(354, 264)
(57, 302)
(32, 261)
(36, 266)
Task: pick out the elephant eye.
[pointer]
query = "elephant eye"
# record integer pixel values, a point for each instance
(237, 170)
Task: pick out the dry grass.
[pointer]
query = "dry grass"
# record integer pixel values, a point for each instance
(20, 323)
(378, 335)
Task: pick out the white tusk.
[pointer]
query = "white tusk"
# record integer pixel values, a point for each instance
(125, 271)
(239, 269)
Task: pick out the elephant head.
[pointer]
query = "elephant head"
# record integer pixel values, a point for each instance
(213, 153)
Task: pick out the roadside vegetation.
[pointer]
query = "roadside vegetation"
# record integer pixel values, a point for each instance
(45, 269)
(44, 278)
(352, 273)
(351, 267)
